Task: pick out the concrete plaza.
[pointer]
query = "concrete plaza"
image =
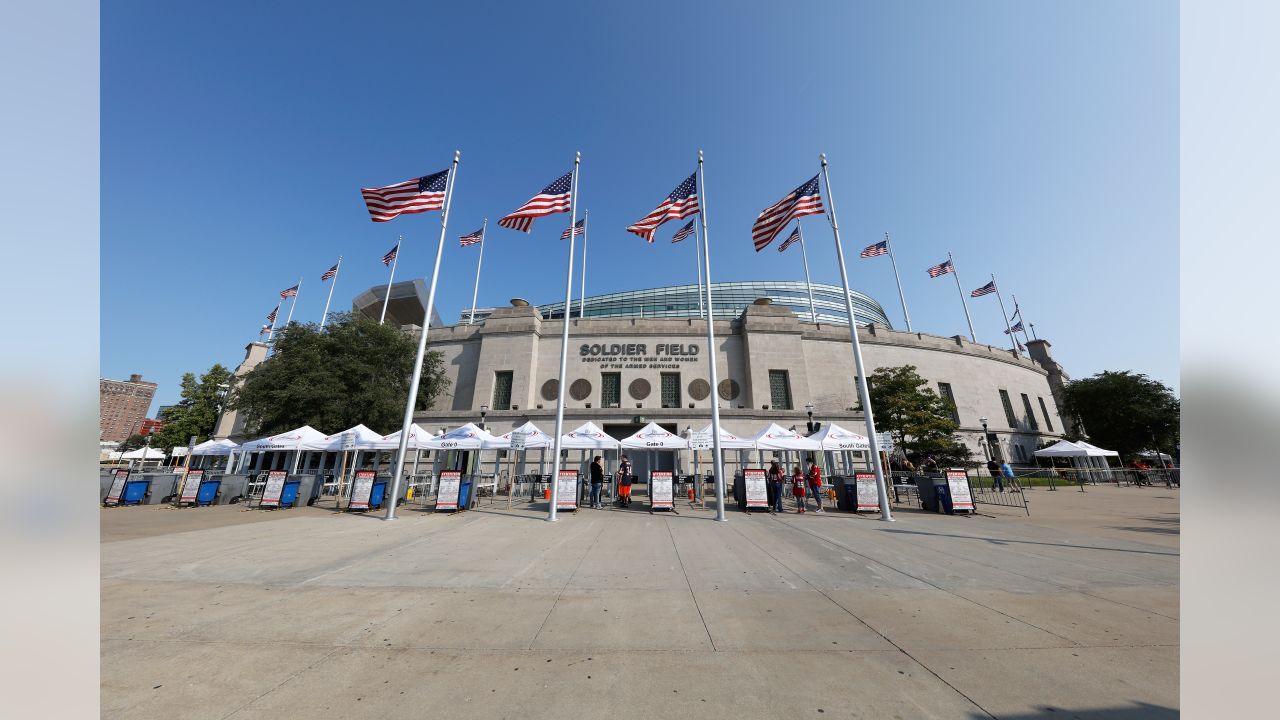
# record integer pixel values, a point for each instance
(226, 613)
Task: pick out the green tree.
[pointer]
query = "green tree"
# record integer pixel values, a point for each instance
(356, 371)
(1125, 411)
(133, 442)
(918, 419)
(196, 411)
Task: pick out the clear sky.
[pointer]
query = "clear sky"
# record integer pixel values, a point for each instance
(1036, 141)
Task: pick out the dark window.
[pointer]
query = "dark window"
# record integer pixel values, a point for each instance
(1008, 409)
(1045, 411)
(502, 390)
(670, 390)
(1031, 415)
(779, 390)
(611, 390)
(944, 391)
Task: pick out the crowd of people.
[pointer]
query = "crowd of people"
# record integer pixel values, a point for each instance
(801, 486)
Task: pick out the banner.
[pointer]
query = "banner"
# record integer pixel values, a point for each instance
(117, 487)
(567, 490)
(450, 484)
(660, 489)
(275, 486)
(360, 490)
(191, 488)
(958, 482)
(757, 488)
(867, 494)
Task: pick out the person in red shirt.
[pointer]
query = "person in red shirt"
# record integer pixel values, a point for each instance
(797, 488)
(815, 483)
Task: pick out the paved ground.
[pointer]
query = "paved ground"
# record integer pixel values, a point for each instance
(223, 613)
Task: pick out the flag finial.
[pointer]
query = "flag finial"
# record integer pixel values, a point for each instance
(823, 158)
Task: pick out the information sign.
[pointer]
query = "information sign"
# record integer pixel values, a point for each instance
(756, 487)
(275, 486)
(660, 494)
(700, 441)
(450, 483)
(958, 482)
(361, 489)
(191, 488)
(567, 490)
(117, 487)
(884, 441)
(867, 494)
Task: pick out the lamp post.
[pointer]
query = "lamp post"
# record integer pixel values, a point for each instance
(808, 408)
(986, 439)
(484, 410)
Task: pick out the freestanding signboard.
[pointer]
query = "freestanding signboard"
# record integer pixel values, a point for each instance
(567, 490)
(958, 483)
(868, 498)
(700, 441)
(275, 485)
(360, 490)
(518, 439)
(756, 487)
(117, 488)
(191, 488)
(660, 496)
(450, 483)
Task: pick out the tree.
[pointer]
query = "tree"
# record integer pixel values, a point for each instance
(1124, 411)
(918, 419)
(356, 371)
(197, 411)
(133, 442)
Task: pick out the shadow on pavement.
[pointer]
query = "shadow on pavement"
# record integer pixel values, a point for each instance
(1137, 711)
(1005, 541)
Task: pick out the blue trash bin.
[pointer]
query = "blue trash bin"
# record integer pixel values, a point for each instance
(289, 493)
(135, 491)
(944, 499)
(208, 492)
(464, 493)
(376, 494)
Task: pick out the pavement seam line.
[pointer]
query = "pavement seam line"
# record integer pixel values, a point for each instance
(692, 594)
(380, 550)
(564, 587)
(282, 683)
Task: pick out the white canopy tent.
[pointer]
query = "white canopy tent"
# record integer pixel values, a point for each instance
(776, 437)
(291, 441)
(219, 448)
(1099, 451)
(729, 441)
(417, 435)
(534, 437)
(1082, 455)
(588, 437)
(834, 437)
(142, 453)
(465, 437)
(654, 437)
(362, 438)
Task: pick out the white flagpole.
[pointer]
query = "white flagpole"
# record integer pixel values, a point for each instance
(963, 303)
(484, 229)
(564, 343)
(717, 460)
(901, 296)
(1013, 339)
(386, 298)
(813, 314)
(274, 317)
(422, 343)
(1021, 319)
(697, 252)
(863, 392)
(293, 304)
(582, 300)
(333, 284)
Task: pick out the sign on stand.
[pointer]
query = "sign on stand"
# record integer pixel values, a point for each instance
(567, 490)
(191, 488)
(700, 441)
(757, 488)
(885, 442)
(361, 489)
(117, 488)
(518, 439)
(958, 482)
(275, 486)
(450, 484)
(660, 493)
(868, 497)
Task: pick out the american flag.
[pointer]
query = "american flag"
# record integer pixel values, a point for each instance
(984, 290)
(876, 249)
(683, 233)
(791, 240)
(390, 257)
(1017, 327)
(290, 292)
(411, 196)
(554, 198)
(680, 204)
(271, 316)
(578, 228)
(472, 238)
(330, 274)
(804, 200)
(941, 268)
(1021, 348)
(266, 329)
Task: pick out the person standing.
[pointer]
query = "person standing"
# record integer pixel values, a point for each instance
(1007, 471)
(993, 467)
(797, 488)
(777, 482)
(815, 483)
(597, 479)
(624, 482)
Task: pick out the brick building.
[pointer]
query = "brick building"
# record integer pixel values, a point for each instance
(123, 405)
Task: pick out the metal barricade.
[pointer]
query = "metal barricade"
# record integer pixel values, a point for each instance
(421, 489)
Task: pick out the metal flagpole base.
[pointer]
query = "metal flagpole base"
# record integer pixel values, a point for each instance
(888, 519)
(551, 519)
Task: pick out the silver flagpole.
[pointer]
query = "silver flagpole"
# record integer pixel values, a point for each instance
(1021, 319)
(564, 343)
(963, 303)
(1013, 339)
(475, 290)
(411, 401)
(332, 285)
(386, 298)
(717, 460)
(813, 314)
(582, 299)
(864, 394)
(293, 304)
(697, 253)
(888, 244)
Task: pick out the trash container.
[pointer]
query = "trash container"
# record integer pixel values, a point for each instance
(289, 493)
(945, 505)
(464, 493)
(377, 493)
(846, 492)
(135, 491)
(927, 486)
(740, 491)
(208, 492)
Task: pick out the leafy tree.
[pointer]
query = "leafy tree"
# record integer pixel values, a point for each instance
(1125, 411)
(917, 418)
(356, 371)
(133, 442)
(197, 411)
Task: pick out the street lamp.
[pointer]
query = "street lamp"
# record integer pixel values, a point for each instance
(808, 408)
(484, 410)
(986, 439)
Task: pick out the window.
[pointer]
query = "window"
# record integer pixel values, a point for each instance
(1031, 415)
(1008, 409)
(502, 390)
(944, 391)
(1019, 453)
(1044, 410)
(611, 390)
(670, 390)
(779, 390)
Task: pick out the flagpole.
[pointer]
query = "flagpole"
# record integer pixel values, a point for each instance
(1007, 327)
(1033, 330)
(1023, 320)
(411, 401)
(294, 304)
(274, 316)
(387, 296)
(564, 343)
(484, 227)
(332, 285)
(813, 314)
(864, 392)
(893, 261)
(964, 304)
(717, 460)
(582, 300)
(697, 253)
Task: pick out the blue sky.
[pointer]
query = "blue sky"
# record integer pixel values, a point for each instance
(1036, 141)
